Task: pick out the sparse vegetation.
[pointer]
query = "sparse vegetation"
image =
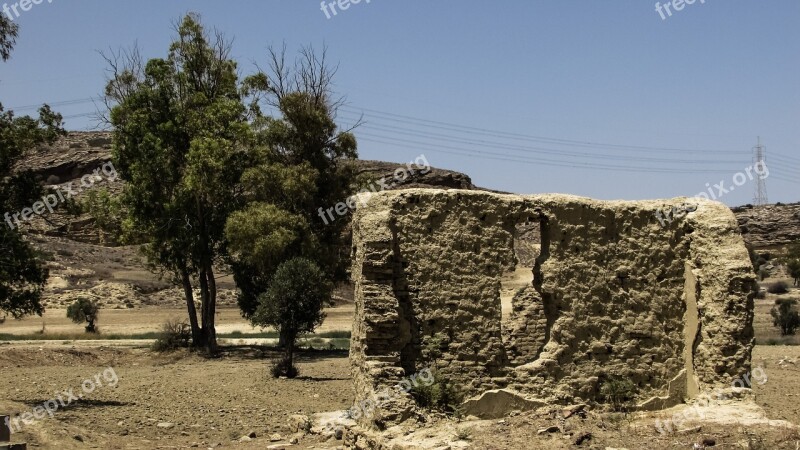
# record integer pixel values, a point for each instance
(786, 317)
(778, 288)
(619, 393)
(441, 395)
(293, 304)
(793, 267)
(84, 311)
(181, 137)
(22, 274)
(175, 334)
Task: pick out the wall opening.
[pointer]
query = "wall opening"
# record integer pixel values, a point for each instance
(523, 317)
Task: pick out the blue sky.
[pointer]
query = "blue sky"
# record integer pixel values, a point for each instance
(596, 98)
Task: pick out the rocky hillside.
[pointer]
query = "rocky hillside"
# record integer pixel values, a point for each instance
(83, 260)
(770, 226)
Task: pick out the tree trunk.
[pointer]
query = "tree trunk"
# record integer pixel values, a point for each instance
(207, 321)
(289, 355)
(197, 336)
(283, 338)
(211, 332)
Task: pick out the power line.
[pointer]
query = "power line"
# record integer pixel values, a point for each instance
(517, 136)
(535, 150)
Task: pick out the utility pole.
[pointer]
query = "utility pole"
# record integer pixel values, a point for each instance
(760, 161)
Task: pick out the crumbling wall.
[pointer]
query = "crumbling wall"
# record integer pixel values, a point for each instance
(616, 295)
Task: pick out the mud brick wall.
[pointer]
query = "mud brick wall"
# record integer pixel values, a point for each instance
(614, 295)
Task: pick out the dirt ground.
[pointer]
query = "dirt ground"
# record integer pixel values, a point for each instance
(174, 401)
(183, 400)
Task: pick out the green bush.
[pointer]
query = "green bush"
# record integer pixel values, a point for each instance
(441, 395)
(619, 393)
(794, 270)
(786, 317)
(84, 310)
(778, 288)
(175, 334)
(282, 367)
(293, 304)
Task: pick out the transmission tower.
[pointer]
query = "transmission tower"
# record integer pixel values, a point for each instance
(760, 162)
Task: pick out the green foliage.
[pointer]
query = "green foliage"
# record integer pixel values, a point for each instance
(22, 275)
(433, 347)
(84, 310)
(778, 287)
(619, 393)
(301, 164)
(182, 140)
(109, 214)
(8, 36)
(175, 334)
(794, 270)
(441, 395)
(293, 304)
(786, 317)
(282, 367)
(794, 251)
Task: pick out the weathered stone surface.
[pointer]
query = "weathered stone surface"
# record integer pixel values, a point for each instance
(498, 403)
(615, 296)
(770, 225)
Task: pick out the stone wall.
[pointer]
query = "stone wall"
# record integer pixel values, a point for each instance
(615, 295)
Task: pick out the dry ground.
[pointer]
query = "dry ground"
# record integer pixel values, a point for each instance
(212, 403)
(202, 403)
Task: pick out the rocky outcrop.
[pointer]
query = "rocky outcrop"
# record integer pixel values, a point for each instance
(615, 297)
(771, 225)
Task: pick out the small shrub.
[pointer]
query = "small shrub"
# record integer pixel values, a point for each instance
(441, 395)
(84, 310)
(175, 334)
(778, 288)
(786, 317)
(794, 270)
(282, 367)
(618, 393)
(763, 274)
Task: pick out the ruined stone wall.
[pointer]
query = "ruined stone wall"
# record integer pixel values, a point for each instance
(615, 296)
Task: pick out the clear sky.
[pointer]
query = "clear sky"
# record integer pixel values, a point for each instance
(597, 98)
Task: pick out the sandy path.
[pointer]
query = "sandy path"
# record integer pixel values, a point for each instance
(149, 319)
